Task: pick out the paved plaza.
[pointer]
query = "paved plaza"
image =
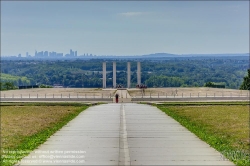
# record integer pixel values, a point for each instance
(124, 134)
(131, 95)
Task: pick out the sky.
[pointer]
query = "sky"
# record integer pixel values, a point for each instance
(125, 27)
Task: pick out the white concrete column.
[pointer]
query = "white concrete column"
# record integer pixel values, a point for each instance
(104, 74)
(128, 75)
(114, 74)
(138, 72)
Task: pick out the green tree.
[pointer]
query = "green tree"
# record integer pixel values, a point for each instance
(9, 85)
(45, 86)
(209, 84)
(246, 82)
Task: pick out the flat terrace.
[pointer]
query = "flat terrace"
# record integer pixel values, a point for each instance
(130, 95)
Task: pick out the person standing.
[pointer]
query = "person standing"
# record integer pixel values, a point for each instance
(116, 97)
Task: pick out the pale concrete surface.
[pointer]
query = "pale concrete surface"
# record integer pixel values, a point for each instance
(156, 139)
(127, 100)
(94, 135)
(186, 92)
(124, 96)
(135, 93)
(59, 92)
(124, 134)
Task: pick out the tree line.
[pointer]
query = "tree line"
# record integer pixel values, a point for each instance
(246, 82)
(7, 86)
(189, 72)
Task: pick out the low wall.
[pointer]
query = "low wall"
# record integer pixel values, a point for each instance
(57, 99)
(192, 99)
(111, 100)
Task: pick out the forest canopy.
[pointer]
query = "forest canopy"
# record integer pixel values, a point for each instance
(186, 72)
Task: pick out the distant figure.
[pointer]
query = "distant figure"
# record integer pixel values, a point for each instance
(119, 86)
(116, 97)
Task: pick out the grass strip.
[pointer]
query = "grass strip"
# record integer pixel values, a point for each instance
(205, 132)
(11, 156)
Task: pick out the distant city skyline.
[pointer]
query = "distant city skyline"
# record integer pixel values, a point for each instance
(45, 53)
(73, 54)
(124, 28)
(54, 54)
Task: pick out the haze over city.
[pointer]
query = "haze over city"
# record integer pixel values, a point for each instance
(125, 28)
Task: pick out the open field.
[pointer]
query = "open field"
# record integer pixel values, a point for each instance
(224, 127)
(23, 128)
(186, 92)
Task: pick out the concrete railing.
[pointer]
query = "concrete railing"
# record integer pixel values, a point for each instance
(190, 95)
(193, 99)
(110, 97)
(57, 96)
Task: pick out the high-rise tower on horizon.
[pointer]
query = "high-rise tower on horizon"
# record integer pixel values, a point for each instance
(71, 52)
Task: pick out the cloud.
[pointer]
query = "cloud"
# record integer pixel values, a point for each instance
(131, 14)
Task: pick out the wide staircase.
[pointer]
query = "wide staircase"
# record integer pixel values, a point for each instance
(124, 96)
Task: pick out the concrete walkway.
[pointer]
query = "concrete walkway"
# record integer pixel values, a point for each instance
(124, 134)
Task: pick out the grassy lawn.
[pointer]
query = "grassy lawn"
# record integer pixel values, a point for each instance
(23, 128)
(224, 127)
